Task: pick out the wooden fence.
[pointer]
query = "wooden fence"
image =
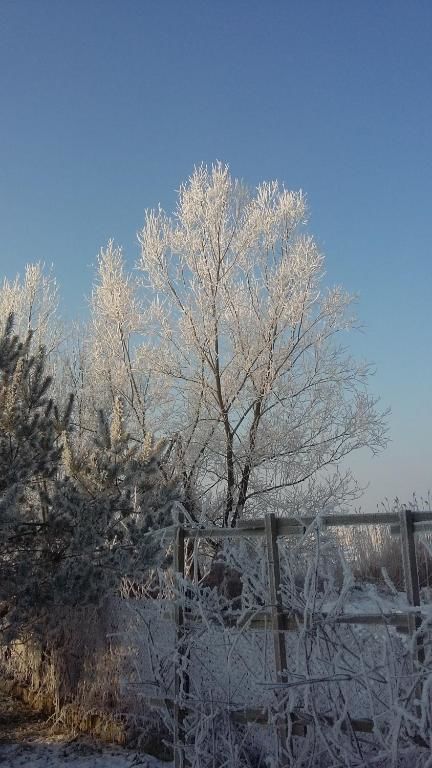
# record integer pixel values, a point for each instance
(405, 523)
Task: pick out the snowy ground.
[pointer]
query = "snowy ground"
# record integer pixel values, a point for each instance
(28, 740)
(67, 755)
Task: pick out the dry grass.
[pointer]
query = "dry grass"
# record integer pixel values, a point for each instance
(375, 554)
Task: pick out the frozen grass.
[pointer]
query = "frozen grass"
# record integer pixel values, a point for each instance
(373, 549)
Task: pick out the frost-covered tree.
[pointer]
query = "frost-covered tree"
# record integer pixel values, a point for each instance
(30, 427)
(72, 523)
(33, 301)
(125, 494)
(264, 401)
(116, 358)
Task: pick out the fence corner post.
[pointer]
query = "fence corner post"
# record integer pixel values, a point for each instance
(411, 576)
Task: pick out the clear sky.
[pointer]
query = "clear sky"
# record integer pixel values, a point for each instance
(106, 106)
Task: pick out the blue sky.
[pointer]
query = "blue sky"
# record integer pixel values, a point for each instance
(106, 107)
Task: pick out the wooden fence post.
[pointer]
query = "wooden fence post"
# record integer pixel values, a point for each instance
(278, 625)
(411, 576)
(179, 570)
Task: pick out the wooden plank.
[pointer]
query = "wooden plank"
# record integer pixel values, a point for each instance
(295, 526)
(253, 524)
(421, 516)
(277, 613)
(337, 520)
(361, 725)
(288, 526)
(300, 721)
(409, 559)
(223, 533)
(260, 620)
(245, 716)
(410, 568)
(277, 623)
(423, 526)
(260, 716)
(398, 620)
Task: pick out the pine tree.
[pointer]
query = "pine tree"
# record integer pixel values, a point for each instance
(117, 493)
(30, 452)
(72, 522)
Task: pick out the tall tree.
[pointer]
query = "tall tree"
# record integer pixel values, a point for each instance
(265, 403)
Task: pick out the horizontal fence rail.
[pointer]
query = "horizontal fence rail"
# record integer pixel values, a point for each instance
(422, 522)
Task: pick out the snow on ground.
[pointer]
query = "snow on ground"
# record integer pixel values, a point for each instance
(369, 599)
(64, 754)
(27, 739)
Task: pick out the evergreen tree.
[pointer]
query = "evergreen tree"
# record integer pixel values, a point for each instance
(72, 522)
(30, 452)
(116, 493)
